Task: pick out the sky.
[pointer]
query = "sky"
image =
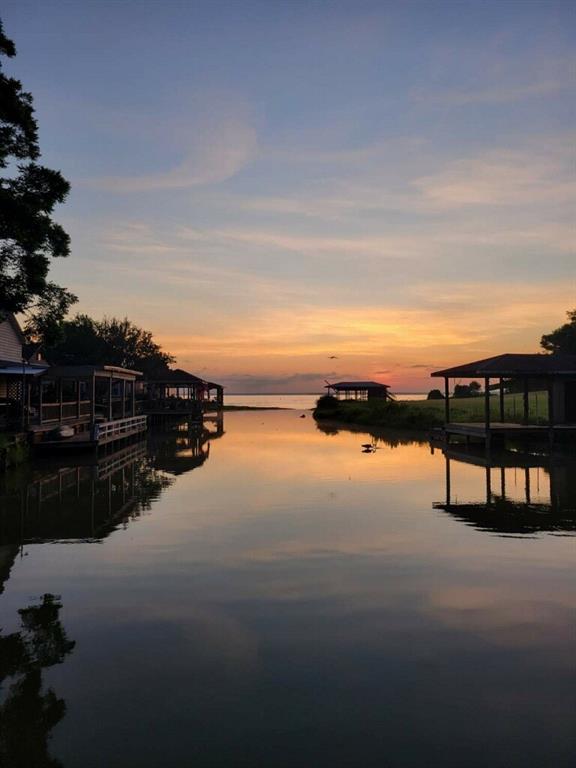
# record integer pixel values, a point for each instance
(287, 192)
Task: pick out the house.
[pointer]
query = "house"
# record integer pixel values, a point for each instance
(18, 362)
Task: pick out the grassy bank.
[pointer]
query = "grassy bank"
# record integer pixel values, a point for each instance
(426, 414)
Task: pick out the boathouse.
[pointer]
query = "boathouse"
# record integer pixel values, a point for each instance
(84, 405)
(179, 392)
(555, 374)
(359, 390)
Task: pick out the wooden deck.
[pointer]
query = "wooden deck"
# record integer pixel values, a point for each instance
(107, 432)
(498, 429)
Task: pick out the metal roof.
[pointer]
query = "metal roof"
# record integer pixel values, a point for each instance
(21, 370)
(79, 371)
(514, 365)
(175, 376)
(357, 385)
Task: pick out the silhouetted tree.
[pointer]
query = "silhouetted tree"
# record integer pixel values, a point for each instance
(28, 713)
(29, 238)
(563, 339)
(435, 394)
(467, 390)
(109, 341)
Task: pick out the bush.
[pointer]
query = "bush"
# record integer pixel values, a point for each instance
(435, 394)
(326, 403)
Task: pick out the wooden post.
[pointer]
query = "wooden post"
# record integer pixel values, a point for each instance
(60, 400)
(525, 401)
(501, 394)
(448, 482)
(487, 409)
(93, 398)
(488, 485)
(123, 398)
(527, 483)
(503, 483)
(110, 380)
(134, 398)
(40, 399)
(551, 410)
(446, 400)
(78, 407)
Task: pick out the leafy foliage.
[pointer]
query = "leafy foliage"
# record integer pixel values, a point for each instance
(563, 339)
(435, 394)
(29, 238)
(84, 341)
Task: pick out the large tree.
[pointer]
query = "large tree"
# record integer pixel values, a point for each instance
(29, 239)
(109, 341)
(563, 339)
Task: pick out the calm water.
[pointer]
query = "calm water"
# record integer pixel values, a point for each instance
(270, 595)
(299, 402)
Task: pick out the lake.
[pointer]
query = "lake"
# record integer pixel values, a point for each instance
(263, 592)
(299, 401)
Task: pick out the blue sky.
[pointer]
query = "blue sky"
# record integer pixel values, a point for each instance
(290, 191)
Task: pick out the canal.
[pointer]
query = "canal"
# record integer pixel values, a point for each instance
(263, 592)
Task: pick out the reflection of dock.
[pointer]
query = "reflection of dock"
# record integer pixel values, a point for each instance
(85, 502)
(500, 513)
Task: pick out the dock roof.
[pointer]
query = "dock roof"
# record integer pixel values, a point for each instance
(513, 365)
(82, 371)
(357, 385)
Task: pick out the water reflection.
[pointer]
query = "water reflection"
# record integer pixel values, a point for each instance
(85, 502)
(524, 493)
(292, 601)
(29, 711)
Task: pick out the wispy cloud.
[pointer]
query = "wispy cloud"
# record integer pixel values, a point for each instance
(215, 154)
(534, 174)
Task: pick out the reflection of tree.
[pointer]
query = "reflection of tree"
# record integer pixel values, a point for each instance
(28, 713)
(389, 437)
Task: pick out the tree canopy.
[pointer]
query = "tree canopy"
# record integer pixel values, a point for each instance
(85, 341)
(29, 239)
(563, 339)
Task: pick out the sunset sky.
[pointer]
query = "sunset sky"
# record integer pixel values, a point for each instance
(287, 192)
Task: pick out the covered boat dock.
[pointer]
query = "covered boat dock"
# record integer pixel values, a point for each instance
(555, 374)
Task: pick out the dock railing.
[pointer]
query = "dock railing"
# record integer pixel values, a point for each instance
(108, 430)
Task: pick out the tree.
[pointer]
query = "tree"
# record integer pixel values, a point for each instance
(29, 239)
(84, 341)
(467, 390)
(435, 394)
(563, 339)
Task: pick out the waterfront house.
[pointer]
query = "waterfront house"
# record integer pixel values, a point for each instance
(18, 362)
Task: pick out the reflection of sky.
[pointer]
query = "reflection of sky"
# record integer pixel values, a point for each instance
(296, 602)
(326, 189)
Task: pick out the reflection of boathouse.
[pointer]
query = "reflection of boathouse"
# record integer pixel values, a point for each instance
(178, 447)
(522, 493)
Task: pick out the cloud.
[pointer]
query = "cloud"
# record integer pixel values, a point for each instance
(215, 154)
(498, 94)
(536, 173)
